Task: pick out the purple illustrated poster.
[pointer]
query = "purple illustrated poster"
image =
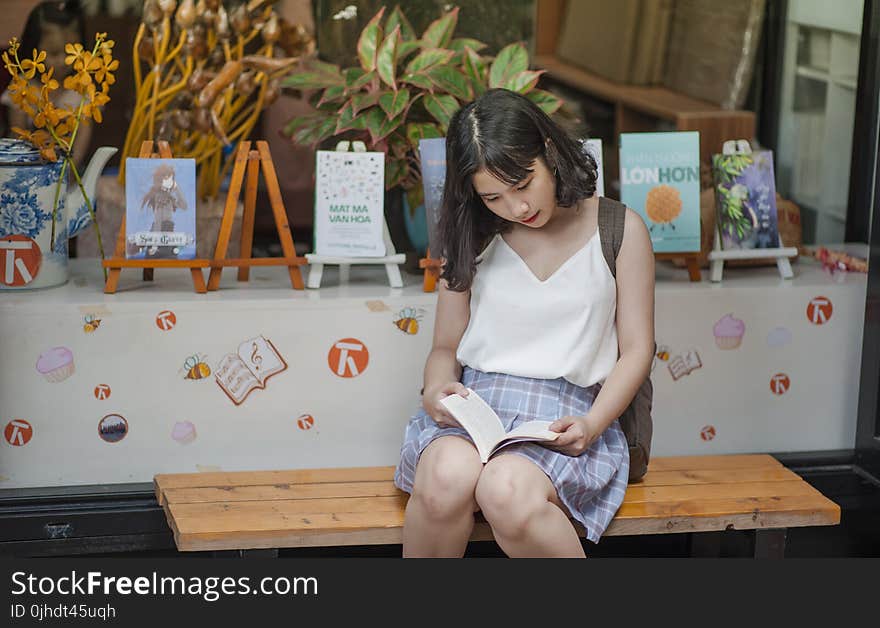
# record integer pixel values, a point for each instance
(160, 208)
(745, 200)
(433, 157)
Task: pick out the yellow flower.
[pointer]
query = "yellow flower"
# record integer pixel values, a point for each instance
(74, 51)
(39, 57)
(71, 81)
(48, 81)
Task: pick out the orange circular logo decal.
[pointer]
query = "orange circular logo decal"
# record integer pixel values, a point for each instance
(21, 259)
(102, 392)
(779, 384)
(166, 320)
(305, 422)
(348, 357)
(707, 433)
(18, 432)
(819, 310)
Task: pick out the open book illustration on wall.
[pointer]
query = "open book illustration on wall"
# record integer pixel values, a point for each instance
(256, 361)
(486, 429)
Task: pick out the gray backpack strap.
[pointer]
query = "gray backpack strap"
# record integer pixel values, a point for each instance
(612, 216)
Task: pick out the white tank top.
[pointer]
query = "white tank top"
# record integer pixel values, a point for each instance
(561, 327)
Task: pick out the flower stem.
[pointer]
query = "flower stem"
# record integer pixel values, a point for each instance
(55, 203)
(91, 213)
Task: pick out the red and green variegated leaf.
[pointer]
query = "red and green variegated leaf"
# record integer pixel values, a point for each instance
(393, 103)
(386, 58)
(405, 48)
(512, 60)
(332, 94)
(523, 82)
(395, 171)
(416, 131)
(397, 18)
(441, 107)
(352, 74)
(312, 80)
(428, 59)
(362, 101)
(475, 69)
(311, 129)
(368, 43)
(439, 32)
(380, 126)
(299, 122)
(364, 79)
(345, 117)
(545, 100)
(419, 80)
(451, 80)
(458, 45)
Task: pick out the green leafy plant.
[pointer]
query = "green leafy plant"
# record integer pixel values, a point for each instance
(406, 88)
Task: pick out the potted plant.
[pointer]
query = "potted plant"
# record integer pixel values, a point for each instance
(406, 88)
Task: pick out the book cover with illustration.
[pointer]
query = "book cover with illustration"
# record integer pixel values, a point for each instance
(255, 362)
(745, 200)
(349, 203)
(660, 179)
(432, 153)
(160, 208)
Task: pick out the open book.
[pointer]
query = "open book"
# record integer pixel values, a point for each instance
(238, 374)
(486, 429)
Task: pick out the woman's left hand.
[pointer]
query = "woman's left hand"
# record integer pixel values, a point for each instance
(577, 433)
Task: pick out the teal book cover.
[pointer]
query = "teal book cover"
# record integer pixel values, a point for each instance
(660, 179)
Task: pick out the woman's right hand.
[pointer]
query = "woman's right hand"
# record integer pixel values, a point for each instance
(431, 402)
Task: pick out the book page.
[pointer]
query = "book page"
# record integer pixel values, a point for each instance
(235, 378)
(261, 358)
(478, 419)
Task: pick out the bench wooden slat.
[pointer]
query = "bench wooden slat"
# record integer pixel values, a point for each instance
(641, 494)
(693, 463)
(716, 476)
(167, 481)
(361, 506)
(279, 491)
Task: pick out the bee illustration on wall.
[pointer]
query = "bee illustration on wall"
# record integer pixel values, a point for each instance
(195, 367)
(407, 320)
(662, 354)
(91, 323)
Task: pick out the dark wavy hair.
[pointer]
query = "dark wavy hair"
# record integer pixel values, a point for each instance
(61, 12)
(503, 132)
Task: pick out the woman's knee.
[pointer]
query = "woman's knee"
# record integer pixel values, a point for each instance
(509, 497)
(446, 477)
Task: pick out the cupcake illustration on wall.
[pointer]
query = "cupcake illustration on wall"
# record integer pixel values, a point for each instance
(729, 332)
(56, 364)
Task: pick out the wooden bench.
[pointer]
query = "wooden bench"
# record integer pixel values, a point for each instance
(249, 511)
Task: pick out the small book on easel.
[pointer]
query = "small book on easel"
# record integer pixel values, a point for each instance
(485, 428)
(256, 361)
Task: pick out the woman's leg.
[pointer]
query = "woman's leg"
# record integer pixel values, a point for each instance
(440, 513)
(521, 505)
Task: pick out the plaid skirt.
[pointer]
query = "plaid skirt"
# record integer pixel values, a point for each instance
(591, 486)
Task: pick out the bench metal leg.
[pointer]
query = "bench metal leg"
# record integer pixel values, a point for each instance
(770, 543)
(246, 553)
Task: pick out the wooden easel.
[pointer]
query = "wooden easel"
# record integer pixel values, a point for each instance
(253, 160)
(431, 267)
(118, 261)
